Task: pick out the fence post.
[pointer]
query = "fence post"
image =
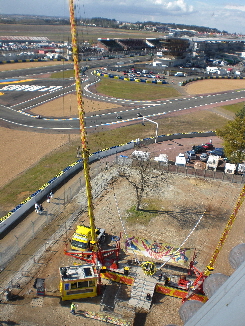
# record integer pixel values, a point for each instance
(32, 229)
(47, 217)
(17, 242)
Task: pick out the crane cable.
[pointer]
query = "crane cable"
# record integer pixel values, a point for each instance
(123, 226)
(170, 257)
(227, 229)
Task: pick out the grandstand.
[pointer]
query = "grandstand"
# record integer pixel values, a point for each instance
(155, 42)
(109, 45)
(175, 47)
(133, 44)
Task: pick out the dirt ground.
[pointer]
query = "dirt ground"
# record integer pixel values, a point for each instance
(182, 201)
(214, 86)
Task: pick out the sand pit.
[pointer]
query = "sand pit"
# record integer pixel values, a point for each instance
(214, 86)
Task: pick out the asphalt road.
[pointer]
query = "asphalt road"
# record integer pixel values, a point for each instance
(21, 91)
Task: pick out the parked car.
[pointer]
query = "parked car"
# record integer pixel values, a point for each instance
(198, 149)
(191, 155)
(208, 146)
(218, 152)
(204, 157)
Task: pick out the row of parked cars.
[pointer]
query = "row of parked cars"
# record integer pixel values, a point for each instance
(205, 150)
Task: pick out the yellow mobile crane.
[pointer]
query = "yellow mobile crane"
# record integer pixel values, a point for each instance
(84, 280)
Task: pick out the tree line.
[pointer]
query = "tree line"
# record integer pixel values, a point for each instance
(98, 22)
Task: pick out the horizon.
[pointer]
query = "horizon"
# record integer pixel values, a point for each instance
(224, 17)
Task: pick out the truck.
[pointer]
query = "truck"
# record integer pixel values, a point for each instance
(82, 237)
(212, 162)
(180, 160)
(230, 168)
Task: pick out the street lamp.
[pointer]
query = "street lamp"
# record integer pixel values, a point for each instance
(144, 118)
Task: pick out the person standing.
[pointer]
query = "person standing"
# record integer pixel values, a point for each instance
(73, 308)
(37, 208)
(41, 208)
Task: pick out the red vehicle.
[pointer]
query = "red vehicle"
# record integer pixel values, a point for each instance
(208, 146)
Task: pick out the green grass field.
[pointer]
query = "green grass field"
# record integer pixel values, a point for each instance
(127, 89)
(62, 33)
(135, 91)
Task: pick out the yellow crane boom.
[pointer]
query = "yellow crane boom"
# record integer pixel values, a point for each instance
(85, 151)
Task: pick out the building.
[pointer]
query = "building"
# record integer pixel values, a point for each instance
(78, 282)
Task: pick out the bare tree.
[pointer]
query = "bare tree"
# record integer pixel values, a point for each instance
(143, 178)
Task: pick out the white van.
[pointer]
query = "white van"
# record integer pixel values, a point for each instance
(180, 74)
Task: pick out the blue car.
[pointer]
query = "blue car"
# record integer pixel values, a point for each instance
(218, 152)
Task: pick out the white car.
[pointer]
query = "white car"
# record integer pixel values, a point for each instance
(204, 157)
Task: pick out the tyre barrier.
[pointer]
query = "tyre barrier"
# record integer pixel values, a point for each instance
(183, 83)
(28, 60)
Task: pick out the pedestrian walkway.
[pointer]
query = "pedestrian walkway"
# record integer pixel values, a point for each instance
(142, 291)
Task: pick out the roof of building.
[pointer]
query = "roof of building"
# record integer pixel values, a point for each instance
(78, 272)
(23, 39)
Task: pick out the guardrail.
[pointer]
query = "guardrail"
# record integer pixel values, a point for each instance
(183, 83)
(28, 204)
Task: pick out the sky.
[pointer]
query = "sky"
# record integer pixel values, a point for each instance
(221, 14)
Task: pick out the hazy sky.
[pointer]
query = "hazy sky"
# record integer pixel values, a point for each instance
(220, 14)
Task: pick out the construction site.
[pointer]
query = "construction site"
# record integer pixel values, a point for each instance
(135, 285)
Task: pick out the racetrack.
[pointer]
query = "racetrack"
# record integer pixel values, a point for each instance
(21, 149)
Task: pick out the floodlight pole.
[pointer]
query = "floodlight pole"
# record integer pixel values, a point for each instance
(144, 118)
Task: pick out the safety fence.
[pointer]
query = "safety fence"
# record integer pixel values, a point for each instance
(28, 60)
(183, 83)
(191, 171)
(21, 209)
